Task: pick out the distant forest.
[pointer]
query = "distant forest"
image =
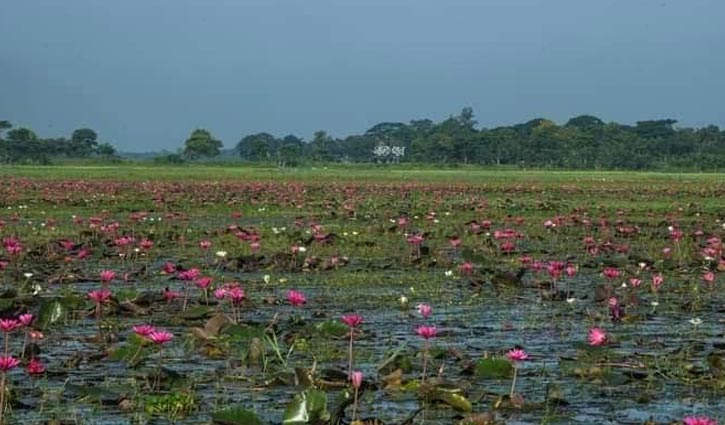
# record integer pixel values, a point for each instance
(583, 142)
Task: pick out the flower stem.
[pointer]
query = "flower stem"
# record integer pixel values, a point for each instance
(2, 398)
(349, 367)
(354, 406)
(513, 382)
(425, 359)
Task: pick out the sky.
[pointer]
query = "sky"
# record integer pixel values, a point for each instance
(145, 73)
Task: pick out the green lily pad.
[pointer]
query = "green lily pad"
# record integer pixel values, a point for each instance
(332, 328)
(52, 311)
(494, 368)
(452, 396)
(235, 416)
(307, 407)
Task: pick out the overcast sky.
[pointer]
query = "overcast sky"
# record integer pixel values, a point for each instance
(144, 73)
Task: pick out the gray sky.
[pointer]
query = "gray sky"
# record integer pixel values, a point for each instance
(144, 73)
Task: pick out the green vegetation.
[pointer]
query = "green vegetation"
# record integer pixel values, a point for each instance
(227, 294)
(583, 142)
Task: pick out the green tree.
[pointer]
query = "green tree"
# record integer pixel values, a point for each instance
(585, 122)
(106, 150)
(23, 144)
(5, 125)
(258, 147)
(83, 142)
(201, 144)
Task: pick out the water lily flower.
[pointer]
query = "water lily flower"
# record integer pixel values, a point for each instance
(426, 332)
(352, 320)
(597, 337)
(698, 420)
(296, 298)
(8, 363)
(517, 355)
(425, 310)
(160, 337)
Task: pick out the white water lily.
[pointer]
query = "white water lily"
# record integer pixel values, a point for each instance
(571, 300)
(221, 254)
(403, 301)
(624, 284)
(28, 275)
(267, 278)
(449, 273)
(696, 321)
(302, 249)
(654, 303)
(355, 233)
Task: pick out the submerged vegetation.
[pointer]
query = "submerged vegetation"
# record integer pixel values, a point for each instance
(236, 298)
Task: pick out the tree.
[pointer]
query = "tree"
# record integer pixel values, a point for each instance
(23, 144)
(585, 122)
(5, 125)
(258, 147)
(83, 142)
(106, 150)
(655, 128)
(466, 118)
(322, 146)
(201, 144)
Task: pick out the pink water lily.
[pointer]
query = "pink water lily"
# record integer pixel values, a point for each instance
(597, 337)
(296, 298)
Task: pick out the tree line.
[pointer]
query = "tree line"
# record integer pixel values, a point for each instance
(22, 145)
(583, 142)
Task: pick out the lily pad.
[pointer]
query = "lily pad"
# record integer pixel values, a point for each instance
(494, 368)
(307, 407)
(332, 328)
(235, 416)
(452, 396)
(52, 311)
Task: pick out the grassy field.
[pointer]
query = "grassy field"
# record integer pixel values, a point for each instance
(355, 173)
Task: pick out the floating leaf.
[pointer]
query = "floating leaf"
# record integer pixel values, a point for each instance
(243, 333)
(95, 394)
(494, 368)
(397, 360)
(235, 416)
(332, 328)
(6, 304)
(307, 407)
(195, 313)
(343, 400)
(51, 312)
(452, 396)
